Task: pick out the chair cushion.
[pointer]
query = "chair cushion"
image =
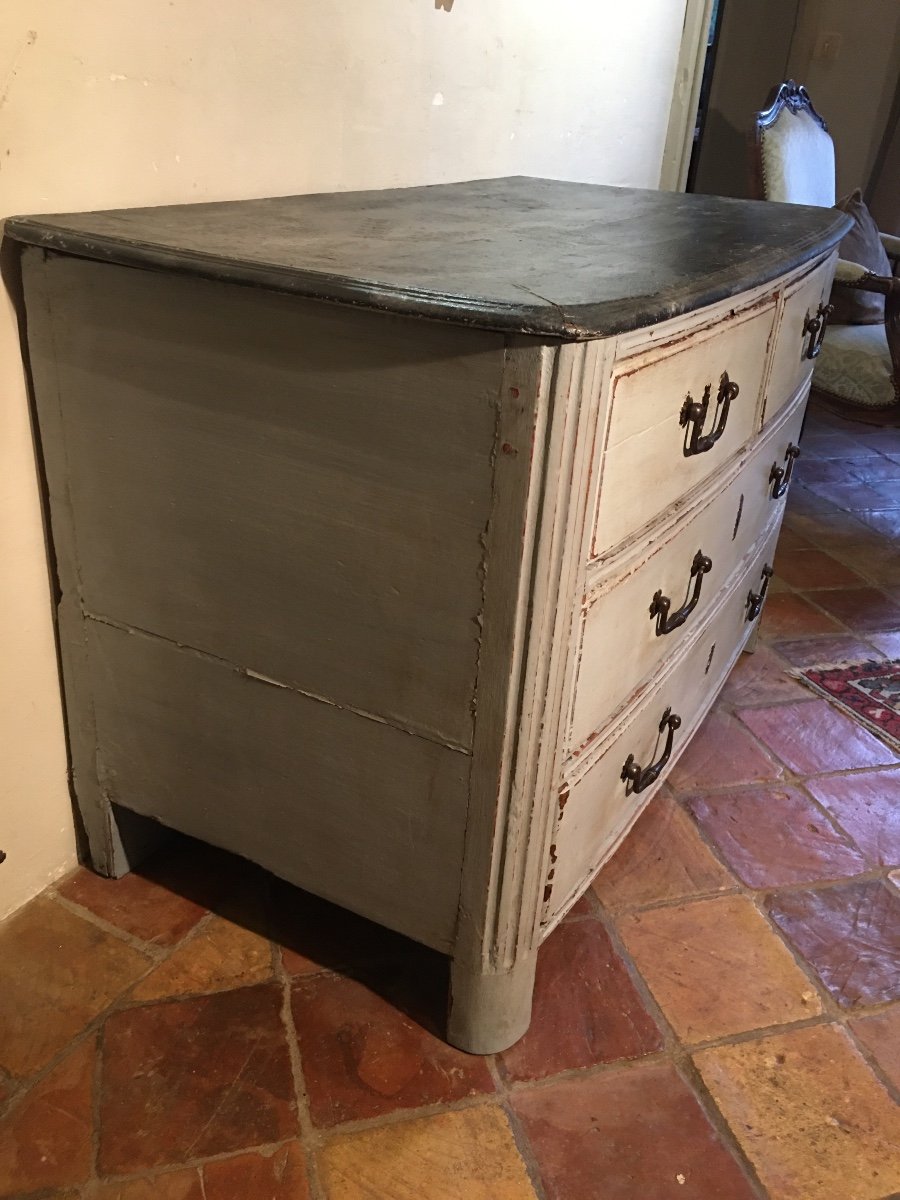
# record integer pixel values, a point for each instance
(862, 244)
(855, 366)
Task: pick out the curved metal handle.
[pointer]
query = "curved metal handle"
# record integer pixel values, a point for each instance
(781, 477)
(693, 414)
(661, 604)
(755, 600)
(642, 777)
(815, 327)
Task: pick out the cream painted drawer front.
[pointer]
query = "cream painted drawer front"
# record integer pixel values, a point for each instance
(618, 626)
(790, 364)
(596, 806)
(644, 466)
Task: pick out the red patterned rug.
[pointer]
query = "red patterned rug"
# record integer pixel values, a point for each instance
(867, 691)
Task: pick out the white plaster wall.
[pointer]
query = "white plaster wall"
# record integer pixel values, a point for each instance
(105, 104)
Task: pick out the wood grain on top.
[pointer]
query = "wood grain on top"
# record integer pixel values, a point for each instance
(522, 255)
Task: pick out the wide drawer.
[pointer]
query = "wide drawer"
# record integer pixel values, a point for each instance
(597, 805)
(658, 444)
(626, 629)
(799, 331)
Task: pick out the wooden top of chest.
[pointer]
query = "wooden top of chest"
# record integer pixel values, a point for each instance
(542, 257)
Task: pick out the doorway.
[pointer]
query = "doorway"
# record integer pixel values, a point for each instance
(850, 66)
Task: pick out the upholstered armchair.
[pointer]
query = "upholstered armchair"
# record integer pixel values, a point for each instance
(859, 361)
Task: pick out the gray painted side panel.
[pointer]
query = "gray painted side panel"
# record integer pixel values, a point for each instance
(293, 487)
(351, 809)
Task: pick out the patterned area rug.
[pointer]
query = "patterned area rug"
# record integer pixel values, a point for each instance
(867, 691)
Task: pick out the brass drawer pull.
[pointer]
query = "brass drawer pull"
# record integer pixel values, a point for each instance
(693, 414)
(642, 777)
(755, 600)
(781, 477)
(815, 327)
(661, 604)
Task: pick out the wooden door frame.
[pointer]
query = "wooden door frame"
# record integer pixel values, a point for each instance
(679, 143)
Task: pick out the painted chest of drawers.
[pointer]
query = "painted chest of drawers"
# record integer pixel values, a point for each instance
(402, 539)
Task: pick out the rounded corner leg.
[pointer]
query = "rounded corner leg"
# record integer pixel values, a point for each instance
(117, 839)
(489, 1011)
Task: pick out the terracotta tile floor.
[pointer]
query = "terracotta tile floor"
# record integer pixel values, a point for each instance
(719, 1018)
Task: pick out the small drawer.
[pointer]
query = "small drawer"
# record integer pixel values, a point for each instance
(675, 420)
(798, 336)
(598, 802)
(626, 622)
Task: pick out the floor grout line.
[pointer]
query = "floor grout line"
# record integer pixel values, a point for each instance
(520, 1134)
(264, 1149)
(403, 1116)
(96, 1105)
(158, 953)
(675, 1052)
(691, 1076)
(306, 1129)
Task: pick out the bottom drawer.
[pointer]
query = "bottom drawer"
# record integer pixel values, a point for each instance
(598, 801)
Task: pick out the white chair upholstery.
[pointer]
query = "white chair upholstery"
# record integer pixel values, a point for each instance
(797, 160)
(858, 364)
